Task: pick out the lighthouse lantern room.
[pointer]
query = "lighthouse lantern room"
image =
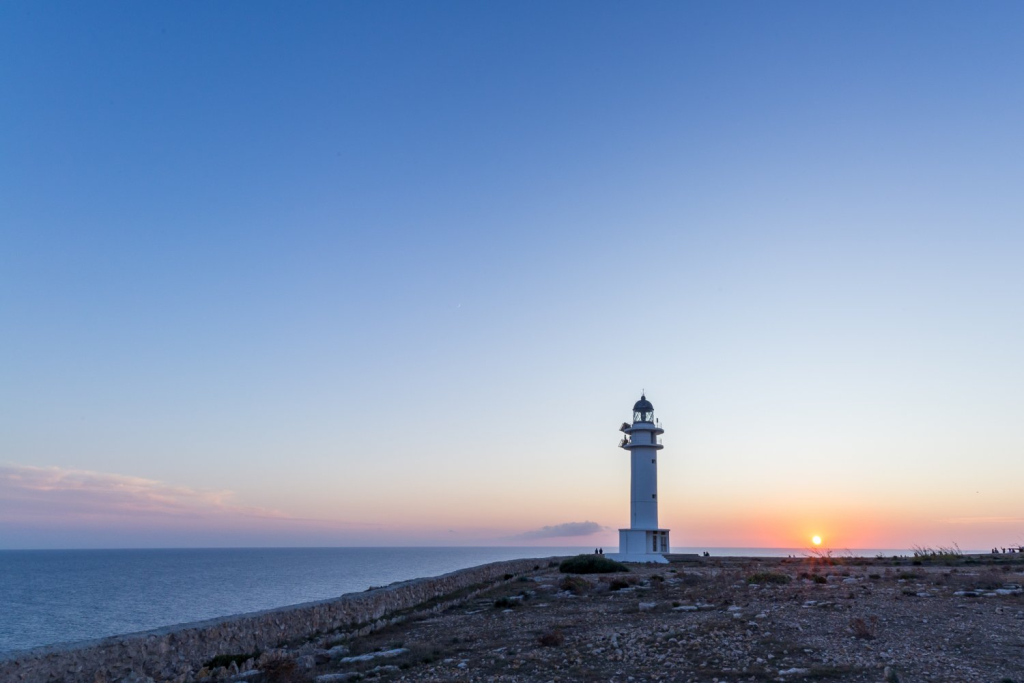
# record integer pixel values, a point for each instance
(643, 541)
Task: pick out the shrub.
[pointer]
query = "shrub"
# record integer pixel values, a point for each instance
(692, 579)
(818, 578)
(989, 580)
(503, 603)
(618, 584)
(225, 660)
(769, 577)
(591, 564)
(574, 585)
(552, 638)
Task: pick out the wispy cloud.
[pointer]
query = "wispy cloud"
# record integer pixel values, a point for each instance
(983, 520)
(55, 507)
(49, 492)
(566, 529)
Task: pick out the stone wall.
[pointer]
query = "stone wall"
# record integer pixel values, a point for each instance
(177, 652)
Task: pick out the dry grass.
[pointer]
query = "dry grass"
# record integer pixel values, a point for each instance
(864, 629)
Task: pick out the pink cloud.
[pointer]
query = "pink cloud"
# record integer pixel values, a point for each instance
(54, 492)
(58, 507)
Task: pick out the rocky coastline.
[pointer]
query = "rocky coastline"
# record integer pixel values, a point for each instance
(952, 618)
(212, 649)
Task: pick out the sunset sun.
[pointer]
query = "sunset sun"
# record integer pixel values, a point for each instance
(816, 540)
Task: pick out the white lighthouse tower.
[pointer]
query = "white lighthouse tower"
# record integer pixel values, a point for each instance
(643, 541)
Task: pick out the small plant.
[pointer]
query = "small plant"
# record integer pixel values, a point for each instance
(770, 577)
(989, 580)
(818, 578)
(618, 584)
(574, 584)
(692, 579)
(503, 603)
(591, 564)
(508, 576)
(225, 660)
(862, 628)
(552, 638)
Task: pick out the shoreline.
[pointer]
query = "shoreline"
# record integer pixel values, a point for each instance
(172, 652)
(251, 644)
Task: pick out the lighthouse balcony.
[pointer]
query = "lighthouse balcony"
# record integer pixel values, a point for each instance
(628, 445)
(643, 427)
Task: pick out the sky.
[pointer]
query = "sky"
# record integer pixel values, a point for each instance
(393, 273)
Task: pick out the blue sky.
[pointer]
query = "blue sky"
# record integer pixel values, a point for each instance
(408, 266)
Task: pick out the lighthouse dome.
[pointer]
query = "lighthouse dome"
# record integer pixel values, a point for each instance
(643, 405)
(643, 410)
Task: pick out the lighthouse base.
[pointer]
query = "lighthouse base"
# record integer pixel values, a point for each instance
(642, 545)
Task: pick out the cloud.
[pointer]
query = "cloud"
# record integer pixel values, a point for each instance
(49, 492)
(983, 520)
(561, 530)
(59, 507)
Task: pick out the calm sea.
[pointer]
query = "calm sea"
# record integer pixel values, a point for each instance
(56, 596)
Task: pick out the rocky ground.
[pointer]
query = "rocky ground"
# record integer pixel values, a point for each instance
(959, 619)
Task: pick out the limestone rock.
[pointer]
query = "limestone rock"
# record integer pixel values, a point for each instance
(374, 655)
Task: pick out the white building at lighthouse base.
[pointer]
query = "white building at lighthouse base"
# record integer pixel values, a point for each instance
(642, 545)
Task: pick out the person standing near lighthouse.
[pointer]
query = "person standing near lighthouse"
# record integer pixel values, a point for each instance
(643, 541)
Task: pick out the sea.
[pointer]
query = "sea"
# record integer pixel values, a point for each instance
(61, 596)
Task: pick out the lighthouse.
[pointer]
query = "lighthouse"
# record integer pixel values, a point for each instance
(644, 540)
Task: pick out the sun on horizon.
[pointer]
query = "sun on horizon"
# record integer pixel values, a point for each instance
(816, 540)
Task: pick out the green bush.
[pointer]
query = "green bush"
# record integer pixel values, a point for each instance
(591, 564)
